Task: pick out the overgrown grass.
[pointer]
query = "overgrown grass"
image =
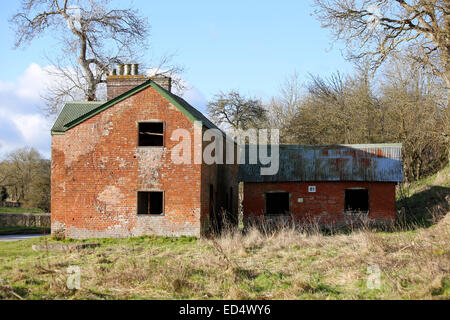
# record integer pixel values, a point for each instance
(19, 210)
(414, 263)
(286, 264)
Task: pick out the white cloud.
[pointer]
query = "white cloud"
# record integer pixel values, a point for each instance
(32, 83)
(6, 86)
(22, 122)
(34, 129)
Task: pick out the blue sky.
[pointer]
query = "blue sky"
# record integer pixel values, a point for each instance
(247, 45)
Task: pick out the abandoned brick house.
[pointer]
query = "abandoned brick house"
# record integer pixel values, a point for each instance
(112, 173)
(113, 176)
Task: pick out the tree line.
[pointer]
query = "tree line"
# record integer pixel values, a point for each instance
(402, 103)
(25, 178)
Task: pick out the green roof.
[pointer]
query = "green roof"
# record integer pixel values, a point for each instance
(73, 110)
(75, 113)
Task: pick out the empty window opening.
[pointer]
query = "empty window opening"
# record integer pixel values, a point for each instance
(357, 200)
(277, 203)
(151, 134)
(150, 203)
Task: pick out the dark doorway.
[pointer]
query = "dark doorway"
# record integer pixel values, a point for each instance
(226, 203)
(230, 206)
(277, 203)
(212, 211)
(357, 200)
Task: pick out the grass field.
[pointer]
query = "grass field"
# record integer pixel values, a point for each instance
(23, 230)
(19, 210)
(288, 265)
(412, 263)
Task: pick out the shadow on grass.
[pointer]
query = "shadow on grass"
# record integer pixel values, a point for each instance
(424, 208)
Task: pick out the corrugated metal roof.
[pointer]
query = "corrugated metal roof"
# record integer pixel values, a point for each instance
(72, 111)
(359, 162)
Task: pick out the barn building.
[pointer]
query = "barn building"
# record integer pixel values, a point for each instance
(326, 184)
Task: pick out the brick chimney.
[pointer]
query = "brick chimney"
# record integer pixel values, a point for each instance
(163, 81)
(126, 77)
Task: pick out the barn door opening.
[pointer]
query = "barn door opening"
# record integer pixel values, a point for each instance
(213, 215)
(357, 200)
(277, 203)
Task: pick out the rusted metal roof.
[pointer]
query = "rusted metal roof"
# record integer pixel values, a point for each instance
(358, 162)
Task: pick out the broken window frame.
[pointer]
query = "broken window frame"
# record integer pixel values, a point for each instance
(346, 201)
(149, 203)
(277, 214)
(163, 134)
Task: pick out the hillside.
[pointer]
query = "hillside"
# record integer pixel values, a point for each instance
(425, 201)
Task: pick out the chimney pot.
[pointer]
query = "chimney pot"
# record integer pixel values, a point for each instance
(127, 79)
(127, 71)
(134, 69)
(120, 69)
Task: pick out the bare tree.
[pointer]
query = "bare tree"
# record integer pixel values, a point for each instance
(236, 111)
(284, 107)
(93, 37)
(377, 28)
(402, 103)
(327, 114)
(26, 178)
(411, 100)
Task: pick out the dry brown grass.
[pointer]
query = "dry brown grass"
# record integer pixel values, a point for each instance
(286, 264)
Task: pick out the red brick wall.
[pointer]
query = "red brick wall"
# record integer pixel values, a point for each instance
(326, 204)
(97, 170)
(121, 84)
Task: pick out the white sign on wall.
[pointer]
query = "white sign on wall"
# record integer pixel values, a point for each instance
(311, 188)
